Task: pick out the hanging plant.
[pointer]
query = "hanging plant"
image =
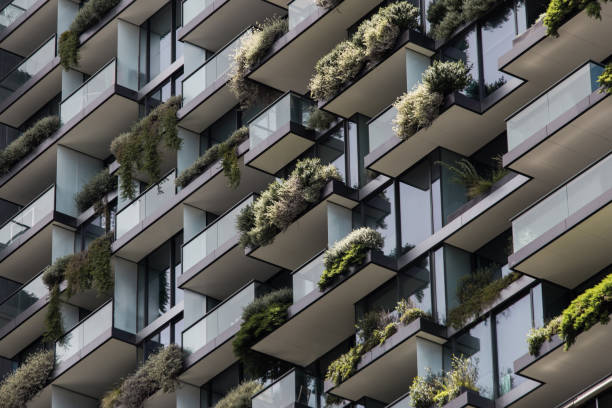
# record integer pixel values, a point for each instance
(23, 384)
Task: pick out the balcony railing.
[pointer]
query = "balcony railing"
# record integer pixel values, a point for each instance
(562, 203)
(403, 402)
(29, 67)
(23, 298)
(25, 219)
(288, 108)
(213, 69)
(88, 91)
(191, 8)
(380, 128)
(146, 204)
(551, 105)
(300, 10)
(215, 235)
(84, 333)
(294, 387)
(13, 11)
(221, 318)
(306, 278)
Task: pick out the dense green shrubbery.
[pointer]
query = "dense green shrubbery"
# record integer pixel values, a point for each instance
(225, 151)
(559, 11)
(240, 396)
(91, 13)
(327, 3)
(537, 337)
(283, 202)
(475, 184)
(605, 79)
(159, 372)
(349, 251)
(27, 381)
(320, 120)
(139, 149)
(26, 142)
(370, 43)
(446, 16)
(94, 193)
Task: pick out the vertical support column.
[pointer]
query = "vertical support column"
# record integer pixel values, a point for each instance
(194, 57)
(128, 36)
(63, 398)
(187, 396)
(429, 357)
(190, 150)
(126, 294)
(74, 169)
(416, 64)
(194, 221)
(195, 307)
(339, 223)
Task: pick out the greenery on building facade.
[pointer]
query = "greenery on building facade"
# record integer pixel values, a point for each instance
(240, 396)
(253, 48)
(585, 311)
(158, 373)
(349, 251)
(605, 79)
(140, 148)
(95, 193)
(559, 11)
(226, 151)
(374, 38)
(91, 13)
(446, 16)
(418, 108)
(283, 202)
(476, 184)
(27, 142)
(320, 120)
(327, 3)
(23, 384)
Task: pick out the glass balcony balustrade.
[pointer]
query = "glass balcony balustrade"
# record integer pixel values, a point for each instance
(294, 387)
(191, 8)
(12, 11)
(551, 105)
(300, 10)
(306, 278)
(27, 217)
(562, 203)
(22, 299)
(146, 204)
(380, 129)
(29, 67)
(215, 235)
(403, 402)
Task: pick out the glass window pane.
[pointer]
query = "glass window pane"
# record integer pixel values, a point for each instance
(477, 344)
(415, 284)
(498, 31)
(415, 201)
(465, 48)
(380, 215)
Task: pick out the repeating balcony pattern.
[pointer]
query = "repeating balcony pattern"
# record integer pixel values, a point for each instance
(12, 11)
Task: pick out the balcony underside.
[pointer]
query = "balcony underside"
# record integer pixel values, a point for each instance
(567, 145)
(207, 107)
(290, 64)
(216, 25)
(33, 27)
(32, 95)
(307, 335)
(573, 250)
(224, 271)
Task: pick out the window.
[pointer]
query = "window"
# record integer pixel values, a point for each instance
(169, 334)
(379, 214)
(171, 87)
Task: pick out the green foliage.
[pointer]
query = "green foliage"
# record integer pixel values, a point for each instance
(408, 313)
(27, 142)
(374, 38)
(467, 175)
(349, 251)
(139, 149)
(253, 48)
(327, 3)
(68, 49)
(537, 337)
(23, 384)
(446, 77)
(283, 202)
(446, 16)
(95, 191)
(240, 396)
(605, 79)
(158, 373)
(478, 300)
(320, 120)
(225, 151)
(559, 11)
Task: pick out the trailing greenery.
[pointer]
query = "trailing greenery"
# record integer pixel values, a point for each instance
(27, 381)
(374, 38)
(27, 142)
(559, 11)
(90, 269)
(226, 151)
(437, 390)
(476, 184)
(446, 16)
(418, 108)
(253, 48)
(605, 79)
(95, 193)
(283, 201)
(349, 251)
(240, 396)
(320, 120)
(139, 149)
(260, 318)
(158, 373)
(585, 311)
(91, 13)
(476, 291)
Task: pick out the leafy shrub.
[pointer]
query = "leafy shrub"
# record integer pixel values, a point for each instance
(68, 49)
(225, 151)
(446, 77)
(349, 251)
(320, 120)
(27, 381)
(281, 203)
(139, 149)
(240, 396)
(27, 142)
(336, 69)
(537, 337)
(559, 11)
(95, 191)
(408, 313)
(446, 16)
(605, 79)
(467, 176)
(252, 50)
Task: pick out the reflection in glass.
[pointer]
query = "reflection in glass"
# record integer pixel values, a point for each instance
(380, 215)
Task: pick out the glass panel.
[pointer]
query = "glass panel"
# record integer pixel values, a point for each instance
(381, 129)
(415, 201)
(296, 387)
(13, 11)
(380, 215)
(27, 69)
(550, 106)
(25, 297)
(305, 279)
(403, 403)
(477, 344)
(192, 8)
(331, 150)
(160, 41)
(498, 31)
(465, 48)
(562, 203)
(27, 217)
(88, 92)
(300, 10)
(415, 284)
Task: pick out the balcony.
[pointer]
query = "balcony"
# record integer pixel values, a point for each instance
(308, 234)
(307, 335)
(563, 238)
(383, 373)
(25, 24)
(31, 84)
(279, 134)
(208, 343)
(563, 130)
(210, 24)
(467, 399)
(214, 263)
(293, 389)
(205, 96)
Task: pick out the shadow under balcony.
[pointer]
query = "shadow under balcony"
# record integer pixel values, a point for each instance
(24, 24)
